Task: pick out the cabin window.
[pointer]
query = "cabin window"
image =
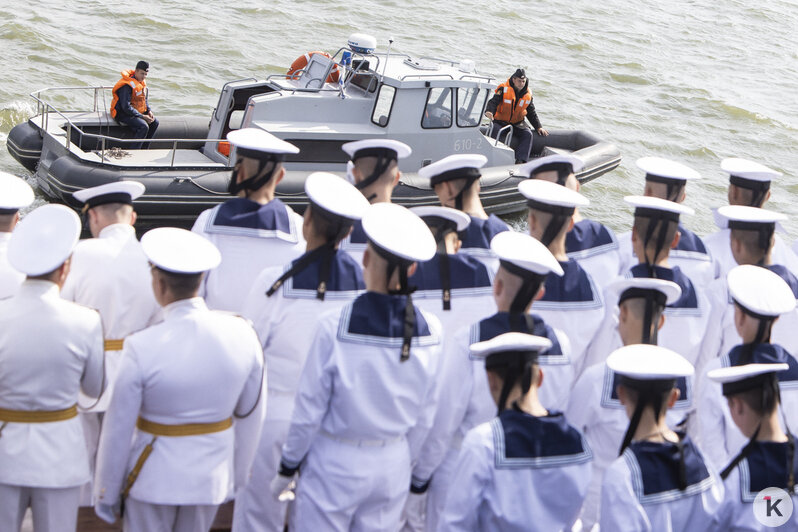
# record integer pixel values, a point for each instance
(470, 103)
(438, 111)
(383, 105)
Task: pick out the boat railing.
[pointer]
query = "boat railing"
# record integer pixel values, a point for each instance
(508, 128)
(44, 109)
(224, 87)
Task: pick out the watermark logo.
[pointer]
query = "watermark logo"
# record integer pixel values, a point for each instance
(772, 507)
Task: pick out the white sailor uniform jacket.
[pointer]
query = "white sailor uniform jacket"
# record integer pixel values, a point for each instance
(197, 366)
(10, 279)
(640, 491)
(250, 237)
(595, 248)
(49, 348)
(518, 473)
(475, 239)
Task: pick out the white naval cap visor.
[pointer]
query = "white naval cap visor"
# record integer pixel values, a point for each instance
(549, 197)
(44, 239)
(458, 166)
(15, 193)
(525, 253)
(644, 362)
(399, 233)
(510, 342)
(179, 251)
(759, 291)
(664, 170)
(335, 196)
(647, 206)
(748, 170)
(458, 219)
(376, 147)
(118, 192)
(737, 379)
(254, 139)
(624, 289)
(557, 162)
(748, 218)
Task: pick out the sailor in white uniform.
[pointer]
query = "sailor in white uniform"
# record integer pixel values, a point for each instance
(660, 481)
(592, 244)
(375, 172)
(255, 230)
(573, 302)
(749, 185)
(594, 407)
(182, 428)
(49, 348)
(284, 306)
(465, 400)
(14, 195)
(455, 180)
(768, 459)
(528, 453)
(760, 297)
(456, 287)
(752, 240)
(366, 397)
(654, 234)
(666, 179)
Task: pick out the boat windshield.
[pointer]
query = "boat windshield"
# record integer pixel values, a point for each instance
(438, 111)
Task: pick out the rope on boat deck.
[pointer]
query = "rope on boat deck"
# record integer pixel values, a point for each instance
(191, 180)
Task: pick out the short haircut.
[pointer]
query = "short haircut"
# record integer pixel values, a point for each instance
(762, 400)
(641, 225)
(367, 165)
(181, 285)
(750, 241)
(142, 65)
(329, 228)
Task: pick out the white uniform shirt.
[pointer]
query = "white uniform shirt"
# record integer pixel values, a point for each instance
(49, 348)
(543, 462)
(595, 247)
(10, 279)
(111, 274)
(640, 493)
(197, 366)
(354, 386)
(250, 237)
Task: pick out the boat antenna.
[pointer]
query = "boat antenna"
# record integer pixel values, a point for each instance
(387, 56)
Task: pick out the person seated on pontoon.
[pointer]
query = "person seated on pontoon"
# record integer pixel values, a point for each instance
(130, 106)
(511, 103)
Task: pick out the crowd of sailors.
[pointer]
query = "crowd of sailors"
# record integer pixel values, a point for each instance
(370, 367)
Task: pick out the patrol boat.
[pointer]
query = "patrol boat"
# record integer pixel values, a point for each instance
(434, 105)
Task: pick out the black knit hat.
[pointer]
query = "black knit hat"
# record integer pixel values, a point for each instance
(519, 73)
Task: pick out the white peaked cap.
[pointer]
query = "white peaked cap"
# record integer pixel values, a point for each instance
(527, 169)
(671, 290)
(667, 169)
(15, 193)
(649, 362)
(740, 373)
(525, 251)
(399, 232)
(335, 195)
(401, 149)
(118, 192)
(179, 251)
(744, 213)
(256, 139)
(658, 204)
(458, 217)
(551, 194)
(748, 169)
(511, 341)
(44, 239)
(451, 163)
(760, 290)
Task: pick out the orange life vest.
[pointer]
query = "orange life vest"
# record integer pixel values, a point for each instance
(138, 98)
(303, 60)
(508, 110)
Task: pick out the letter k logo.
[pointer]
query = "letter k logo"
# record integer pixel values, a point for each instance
(773, 507)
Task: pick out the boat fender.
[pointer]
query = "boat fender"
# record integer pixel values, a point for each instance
(303, 60)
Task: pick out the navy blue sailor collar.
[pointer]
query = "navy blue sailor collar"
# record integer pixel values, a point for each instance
(765, 354)
(375, 316)
(501, 323)
(481, 231)
(689, 299)
(764, 466)
(689, 241)
(464, 272)
(589, 234)
(242, 216)
(345, 278)
(787, 275)
(575, 285)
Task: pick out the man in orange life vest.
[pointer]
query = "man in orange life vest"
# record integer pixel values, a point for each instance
(129, 105)
(510, 105)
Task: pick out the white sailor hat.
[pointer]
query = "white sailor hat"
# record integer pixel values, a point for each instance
(646, 362)
(760, 291)
(625, 289)
(15, 193)
(350, 177)
(179, 251)
(118, 192)
(511, 341)
(373, 147)
(459, 218)
(458, 166)
(395, 230)
(748, 170)
(259, 140)
(659, 169)
(545, 195)
(747, 218)
(747, 371)
(525, 252)
(551, 162)
(334, 195)
(646, 204)
(44, 239)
